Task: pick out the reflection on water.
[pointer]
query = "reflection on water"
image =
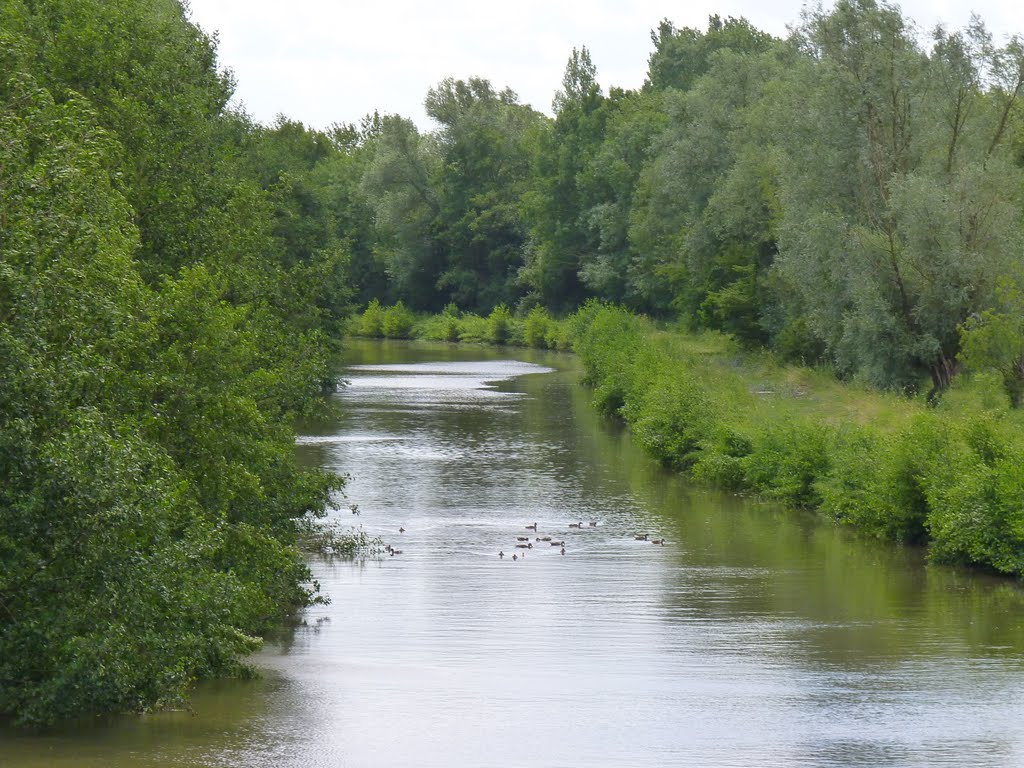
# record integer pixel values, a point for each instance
(754, 637)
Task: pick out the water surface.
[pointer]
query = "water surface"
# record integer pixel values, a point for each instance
(753, 637)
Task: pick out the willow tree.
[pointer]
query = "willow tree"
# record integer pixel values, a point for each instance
(901, 200)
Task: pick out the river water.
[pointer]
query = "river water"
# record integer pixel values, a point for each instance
(752, 637)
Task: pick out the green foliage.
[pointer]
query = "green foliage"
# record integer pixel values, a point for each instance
(371, 321)
(397, 322)
(444, 327)
(974, 499)
(673, 418)
(876, 482)
(150, 366)
(787, 460)
(499, 325)
(994, 339)
(949, 477)
(536, 327)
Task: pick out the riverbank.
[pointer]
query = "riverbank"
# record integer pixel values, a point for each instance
(948, 477)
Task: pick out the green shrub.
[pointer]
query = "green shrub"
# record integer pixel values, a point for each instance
(371, 322)
(473, 328)
(720, 462)
(443, 327)
(673, 418)
(787, 460)
(450, 320)
(610, 345)
(499, 325)
(397, 322)
(536, 328)
(974, 497)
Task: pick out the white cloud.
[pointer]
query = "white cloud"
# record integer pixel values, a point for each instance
(322, 62)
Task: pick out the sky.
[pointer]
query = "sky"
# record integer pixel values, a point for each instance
(334, 61)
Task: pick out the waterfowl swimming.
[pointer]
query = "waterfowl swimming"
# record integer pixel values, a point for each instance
(515, 557)
(592, 523)
(544, 538)
(401, 530)
(528, 545)
(395, 551)
(641, 536)
(575, 525)
(522, 538)
(557, 543)
(563, 550)
(501, 555)
(658, 541)
(532, 527)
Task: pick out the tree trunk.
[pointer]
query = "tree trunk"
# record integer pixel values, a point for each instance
(943, 371)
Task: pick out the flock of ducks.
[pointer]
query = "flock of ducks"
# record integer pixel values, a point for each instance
(524, 542)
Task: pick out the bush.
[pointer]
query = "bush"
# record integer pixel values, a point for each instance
(371, 322)
(444, 327)
(536, 328)
(397, 322)
(787, 460)
(474, 329)
(673, 418)
(499, 325)
(875, 481)
(720, 461)
(974, 496)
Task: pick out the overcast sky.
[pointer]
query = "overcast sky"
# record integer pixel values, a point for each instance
(327, 61)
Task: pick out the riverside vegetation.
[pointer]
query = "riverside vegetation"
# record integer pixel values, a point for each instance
(174, 279)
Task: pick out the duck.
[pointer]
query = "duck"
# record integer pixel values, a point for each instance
(543, 538)
(501, 555)
(575, 525)
(563, 550)
(395, 551)
(401, 530)
(532, 527)
(592, 523)
(522, 538)
(515, 557)
(528, 545)
(641, 536)
(658, 541)
(557, 543)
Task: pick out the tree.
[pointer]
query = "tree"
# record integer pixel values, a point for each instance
(896, 227)
(560, 240)
(399, 182)
(485, 165)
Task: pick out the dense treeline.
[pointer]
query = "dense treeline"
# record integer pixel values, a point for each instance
(849, 195)
(161, 322)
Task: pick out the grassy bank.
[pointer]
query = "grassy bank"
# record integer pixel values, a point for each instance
(949, 477)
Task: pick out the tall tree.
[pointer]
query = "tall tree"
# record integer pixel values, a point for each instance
(483, 142)
(560, 241)
(897, 223)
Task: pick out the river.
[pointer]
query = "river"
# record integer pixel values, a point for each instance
(753, 636)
